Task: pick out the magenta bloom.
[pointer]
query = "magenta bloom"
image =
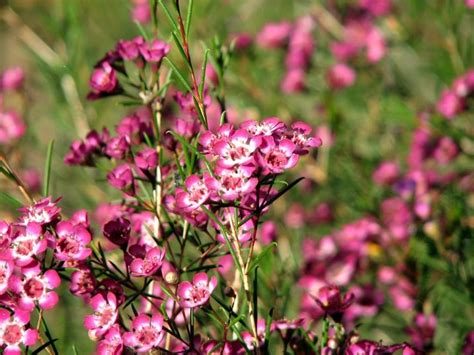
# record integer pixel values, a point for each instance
(376, 7)
(14, 332)
(386, 173)
(195, 195)
(104, 317)
(122, 178)
(196, 293)
(450, 104)
(82, 283)
(274, 35)
(6, 270)
(103, 79)
(423, 331)
(12, 79)
(329, 298)
(250, 340)
(340, 76)
(146, 333)
(117, 231)
(34, 288)
(270, 126)
(154, 51)
(112, 343)
(238, 149)
(300, 135)
(42, 212)
(276, 158)
(27, 243)
(231, 184)
(149, 264)
(72, 241)
(12, 127)
(293, 82)
(129, 50)
(469, 3)
(117, 147)
(147, 159)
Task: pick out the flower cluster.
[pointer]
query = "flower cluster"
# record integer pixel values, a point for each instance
(455, 100)
(12, 126)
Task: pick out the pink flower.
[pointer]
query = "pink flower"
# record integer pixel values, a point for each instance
(450, 104)
(196, 293)
(386, 173)
(112, 343)
(103, 79)
(299, 134)
(238, 149)
(423, 331)
(117, 231)
(42, 212)
(12, 127)
(122, 178)
(270, 126)
(27, 243)
(6, 270)
(329, 298)
(231, 184)
(34, 288)
(274, 35)
(469, 3)
(275, 158)
(250, 340)
(154, 51)
(146, 334)
(117, 147)
(83, 283)
(268, 232)
(340, 76)
(294, 81)
(13, 332)
(72, 241)
(194, 196)
(149, 264)
(376, 47)
(129, 50)
(376, 7)
(12, 79)
(445, 151)
(141, 11)
(104, 317)
(147, 159)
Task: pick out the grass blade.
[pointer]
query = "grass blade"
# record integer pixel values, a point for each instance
(47, 168)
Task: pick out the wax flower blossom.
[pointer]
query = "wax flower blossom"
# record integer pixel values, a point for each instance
(196, 293)
(71, 242)
(146, 333)
(27, 243)
(14, 332)
(12, 127)
(35, 288)
(112, 343)
(195, 194)
(105, 314)
(43, 212)
(149, 263)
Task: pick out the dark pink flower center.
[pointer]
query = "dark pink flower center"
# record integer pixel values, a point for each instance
(199, 294)
(13, 334)
(231, 182)
(276, 158)
(197, 192)
(25, 247)
(147, 335)
(106, 316)
(33, 288)
(68, 245)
